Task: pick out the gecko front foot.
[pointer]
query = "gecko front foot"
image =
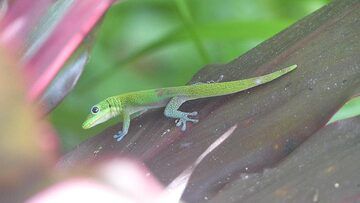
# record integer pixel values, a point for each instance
(119, 136)
(185, 118)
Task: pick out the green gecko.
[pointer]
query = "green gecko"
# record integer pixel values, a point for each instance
(133, 104)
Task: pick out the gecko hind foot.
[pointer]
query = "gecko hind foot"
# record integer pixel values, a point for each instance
(182, 121)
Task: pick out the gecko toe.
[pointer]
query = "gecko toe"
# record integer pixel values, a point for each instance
(178, 123)
(195, 113)
(120, 137)
(119, 133)
(194, 120)
(183, 127)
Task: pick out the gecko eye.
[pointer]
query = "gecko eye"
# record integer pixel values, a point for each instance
(94, 109)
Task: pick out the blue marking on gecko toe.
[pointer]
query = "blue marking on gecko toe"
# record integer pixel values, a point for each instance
(119, 136)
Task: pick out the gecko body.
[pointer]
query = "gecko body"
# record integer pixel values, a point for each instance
(133, 104)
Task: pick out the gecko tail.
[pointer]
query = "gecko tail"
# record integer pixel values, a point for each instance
(224, 88)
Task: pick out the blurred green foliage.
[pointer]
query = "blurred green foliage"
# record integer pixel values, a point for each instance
(143, 44)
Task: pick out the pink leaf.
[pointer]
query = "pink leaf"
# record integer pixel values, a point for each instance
(69, 23)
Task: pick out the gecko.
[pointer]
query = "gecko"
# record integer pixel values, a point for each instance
(133, 104)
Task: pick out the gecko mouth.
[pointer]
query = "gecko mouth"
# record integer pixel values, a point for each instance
(85, 126)
(95, 121)
(88, 124)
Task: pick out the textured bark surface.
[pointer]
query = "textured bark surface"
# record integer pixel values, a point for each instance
(272, 120)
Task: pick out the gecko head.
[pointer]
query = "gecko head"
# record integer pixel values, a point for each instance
(99, 113)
